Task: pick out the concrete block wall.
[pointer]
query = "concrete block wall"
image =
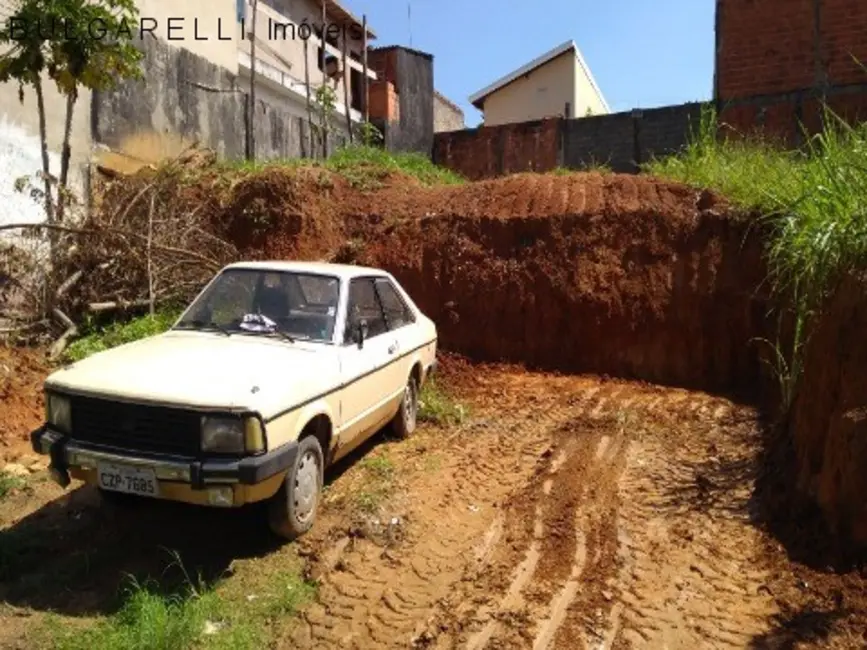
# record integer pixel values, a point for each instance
(621, 141)
(448, 116)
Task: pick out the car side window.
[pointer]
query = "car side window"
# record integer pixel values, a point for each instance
(364, 304)
(397, 314)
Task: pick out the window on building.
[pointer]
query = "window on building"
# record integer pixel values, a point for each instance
(240, 6)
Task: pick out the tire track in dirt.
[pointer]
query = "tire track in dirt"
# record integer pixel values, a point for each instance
(533, 576)
(691, 575)
(570, 512)
(380, 597)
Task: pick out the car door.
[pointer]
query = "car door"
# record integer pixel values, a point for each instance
(366, 391)
(401, 333)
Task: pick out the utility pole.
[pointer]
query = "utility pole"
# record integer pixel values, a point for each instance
(346, 74)
(310, 150)
(251, 109)
(364, 65)
(324, 84)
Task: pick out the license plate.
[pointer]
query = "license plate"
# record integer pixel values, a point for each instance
(131, 480)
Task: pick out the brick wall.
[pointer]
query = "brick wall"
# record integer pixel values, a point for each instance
(485, 152)
(620, 141)
(777, 60)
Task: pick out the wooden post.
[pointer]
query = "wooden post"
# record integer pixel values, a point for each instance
(364, 65)
(346, 74)
(251, 117)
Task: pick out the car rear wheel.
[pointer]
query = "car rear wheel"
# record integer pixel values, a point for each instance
(405, 421)
(293, 509)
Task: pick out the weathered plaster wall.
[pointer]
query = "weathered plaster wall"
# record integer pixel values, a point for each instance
(186, 100)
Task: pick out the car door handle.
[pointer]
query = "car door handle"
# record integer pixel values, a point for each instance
(392, 348)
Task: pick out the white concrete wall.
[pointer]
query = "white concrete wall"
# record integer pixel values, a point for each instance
(20, 149)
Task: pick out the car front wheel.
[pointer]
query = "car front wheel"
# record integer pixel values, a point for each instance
(405, 420)
(293, 509)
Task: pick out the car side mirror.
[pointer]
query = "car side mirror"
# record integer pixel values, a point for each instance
(361, 332)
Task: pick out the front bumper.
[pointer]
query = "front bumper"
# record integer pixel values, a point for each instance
(214, 482)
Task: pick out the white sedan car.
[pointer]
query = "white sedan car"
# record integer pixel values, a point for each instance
(275, 371)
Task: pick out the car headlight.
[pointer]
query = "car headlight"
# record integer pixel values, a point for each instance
(58, 413)
(232, 435)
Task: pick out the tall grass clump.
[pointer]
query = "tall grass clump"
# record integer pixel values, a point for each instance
(815, 206)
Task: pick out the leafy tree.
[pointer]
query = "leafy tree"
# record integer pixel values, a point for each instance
(76, 43)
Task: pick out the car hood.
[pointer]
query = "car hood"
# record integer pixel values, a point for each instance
(206, 370)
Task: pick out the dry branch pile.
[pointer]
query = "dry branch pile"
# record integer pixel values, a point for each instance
(137, 248)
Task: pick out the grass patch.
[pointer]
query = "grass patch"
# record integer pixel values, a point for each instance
(199, 616)
(378, 483)
(118, 333)
(815, 206)
(10, 483)
(365, 166)
(438, 406)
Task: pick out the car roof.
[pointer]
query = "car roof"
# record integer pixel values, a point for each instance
(343, 271)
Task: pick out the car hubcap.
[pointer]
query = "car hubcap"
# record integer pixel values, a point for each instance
(306, 487)
(409, 407)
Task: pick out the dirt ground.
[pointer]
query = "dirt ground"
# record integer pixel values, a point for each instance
(564, 512)
(576, 512)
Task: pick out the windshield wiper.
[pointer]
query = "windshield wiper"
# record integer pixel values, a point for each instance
(202, 325)
(285, 335)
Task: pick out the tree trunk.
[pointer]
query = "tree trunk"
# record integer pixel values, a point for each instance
(65, 155)
(43, 137)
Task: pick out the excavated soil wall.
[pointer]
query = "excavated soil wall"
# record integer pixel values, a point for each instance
(618, 275)
(829, 420)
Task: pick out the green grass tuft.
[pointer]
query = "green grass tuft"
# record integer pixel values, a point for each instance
(119, 333)
(201, 616)
(10, 483)
(438, 406)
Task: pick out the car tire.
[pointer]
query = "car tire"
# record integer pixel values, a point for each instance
(404, 422)
(292, 511)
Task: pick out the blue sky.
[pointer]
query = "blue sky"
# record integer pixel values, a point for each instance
(643, 53)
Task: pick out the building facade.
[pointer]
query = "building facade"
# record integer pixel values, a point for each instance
(197, 72)
(557, 84)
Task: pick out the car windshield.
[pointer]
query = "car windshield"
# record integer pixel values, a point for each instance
(265, 302)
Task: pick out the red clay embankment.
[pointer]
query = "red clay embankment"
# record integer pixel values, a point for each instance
(619, 275)
(829, 420)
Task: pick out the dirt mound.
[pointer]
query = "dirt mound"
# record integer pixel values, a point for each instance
(622, 275)
(22, 372)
